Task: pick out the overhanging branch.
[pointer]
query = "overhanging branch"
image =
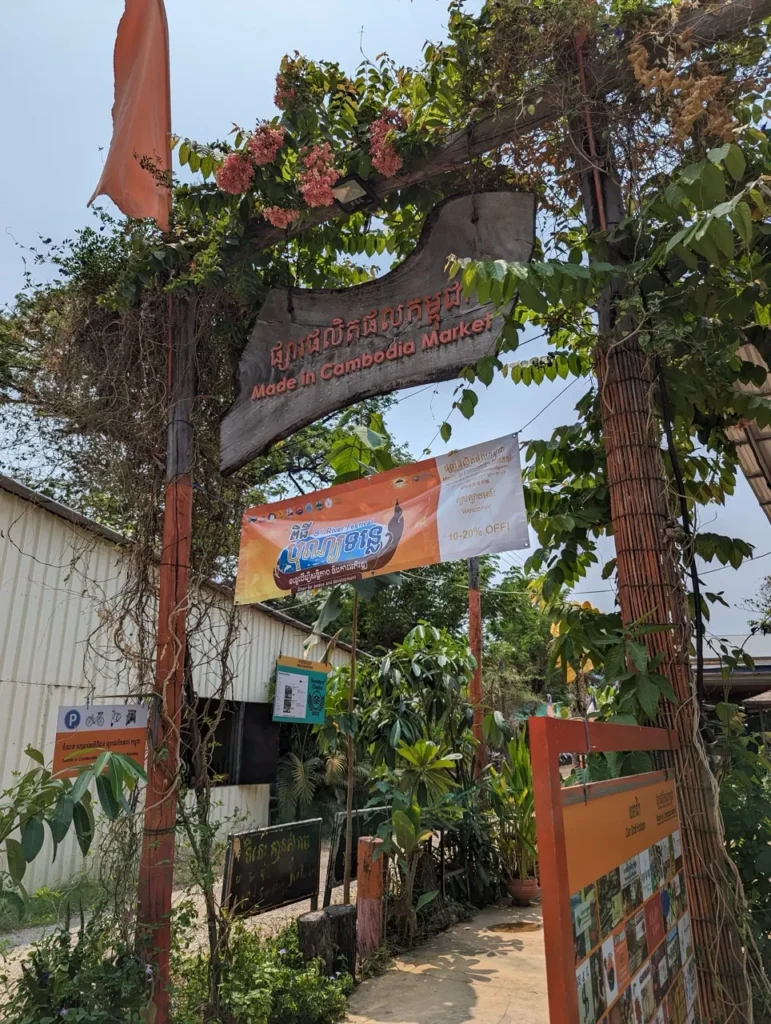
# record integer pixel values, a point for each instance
(703, 25)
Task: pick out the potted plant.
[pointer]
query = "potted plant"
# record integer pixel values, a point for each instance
(511, 792)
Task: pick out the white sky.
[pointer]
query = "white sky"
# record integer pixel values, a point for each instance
(56, 88)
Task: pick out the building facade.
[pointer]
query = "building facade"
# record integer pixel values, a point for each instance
(58, 571)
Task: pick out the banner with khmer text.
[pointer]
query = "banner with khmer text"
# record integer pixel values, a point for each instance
(451, 507)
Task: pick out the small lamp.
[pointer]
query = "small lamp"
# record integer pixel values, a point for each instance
(352, 193)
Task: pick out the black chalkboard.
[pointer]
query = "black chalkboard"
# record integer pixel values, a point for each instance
(273, 866)
(365, 823)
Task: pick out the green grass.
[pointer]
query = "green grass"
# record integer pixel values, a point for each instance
(49, 906)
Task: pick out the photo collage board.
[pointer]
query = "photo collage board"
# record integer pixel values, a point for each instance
(632, 939)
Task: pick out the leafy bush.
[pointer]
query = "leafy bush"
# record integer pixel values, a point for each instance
(89, 977)
(264, 981)
(744, 775)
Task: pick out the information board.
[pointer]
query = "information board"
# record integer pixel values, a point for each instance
(618, 930)
(84, 731)
(271, 867)
(632, 940)
(301, 691)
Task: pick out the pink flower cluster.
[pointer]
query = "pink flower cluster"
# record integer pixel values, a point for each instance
(235, 174)
(265, 143)
(319, 176)
(284, 94)
(280, 217)
(382, 151)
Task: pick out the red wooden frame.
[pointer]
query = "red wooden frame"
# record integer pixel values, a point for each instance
(550, 737)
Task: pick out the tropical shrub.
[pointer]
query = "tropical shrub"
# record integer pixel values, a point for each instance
(511, 798)
(90, 977)
(264, 981)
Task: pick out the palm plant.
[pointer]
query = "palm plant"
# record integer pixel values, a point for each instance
(511, 797)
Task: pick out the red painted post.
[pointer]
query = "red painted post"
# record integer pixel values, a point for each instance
(370, 896)
(156, 867)
(475, 642)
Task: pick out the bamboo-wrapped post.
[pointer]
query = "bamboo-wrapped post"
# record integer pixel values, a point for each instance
(650, 588)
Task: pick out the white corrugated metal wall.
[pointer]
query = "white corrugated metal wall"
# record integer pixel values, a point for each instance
(55, 573)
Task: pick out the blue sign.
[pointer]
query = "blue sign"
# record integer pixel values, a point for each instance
(72, 718)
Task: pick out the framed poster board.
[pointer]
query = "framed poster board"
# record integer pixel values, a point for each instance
(272, 867)
(365, 823)
(617, 917)
(301, 691)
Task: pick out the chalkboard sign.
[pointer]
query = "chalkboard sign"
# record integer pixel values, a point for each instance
(271, 867)
(365, 823)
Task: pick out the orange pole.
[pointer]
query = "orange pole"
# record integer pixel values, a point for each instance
(156, 867)
(475, 642)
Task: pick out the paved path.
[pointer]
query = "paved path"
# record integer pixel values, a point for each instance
(476, 972)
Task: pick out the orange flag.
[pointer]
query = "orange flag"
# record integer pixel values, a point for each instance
(141, 115)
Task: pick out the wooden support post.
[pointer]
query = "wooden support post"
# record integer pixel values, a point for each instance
(314, 937)
(650, 587)
(342, 920)
(156, 867)
(475, 642)
(370, 896)
(350, 758)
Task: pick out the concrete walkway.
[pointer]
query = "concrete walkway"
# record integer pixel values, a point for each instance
(490, 971)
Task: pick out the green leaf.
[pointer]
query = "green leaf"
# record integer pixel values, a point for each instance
(639, 655)
(718, 155)
(35, 755)
(445, 431)
(468, 403)
(17, 863)
(722, 236)
(84, 827)
(741, 218)
(184, 153)
(712, 185)
(532, 297)
(665, 686)
(110, 805)
(648, 695)
(424, 899)
(82, 783)
(734, 162)
(32, 835)
(692, 173)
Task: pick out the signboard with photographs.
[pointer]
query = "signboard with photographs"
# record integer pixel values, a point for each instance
(617, 919)
(301, 691)
(632, 941)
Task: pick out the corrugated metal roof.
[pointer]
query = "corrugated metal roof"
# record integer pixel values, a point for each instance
(12, 486)
(758, 701)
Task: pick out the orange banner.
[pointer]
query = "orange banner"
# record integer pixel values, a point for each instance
(451, 507)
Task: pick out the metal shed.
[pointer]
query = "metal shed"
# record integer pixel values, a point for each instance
(57, 569)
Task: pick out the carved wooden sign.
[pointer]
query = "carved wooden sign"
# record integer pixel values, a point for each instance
(314, 351)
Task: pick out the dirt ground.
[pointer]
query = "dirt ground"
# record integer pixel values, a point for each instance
(491, 970)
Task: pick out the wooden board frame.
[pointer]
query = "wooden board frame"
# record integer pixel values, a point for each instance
(550, 737)
(228, 901)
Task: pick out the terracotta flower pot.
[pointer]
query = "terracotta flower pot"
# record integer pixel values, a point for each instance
(523, 890)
